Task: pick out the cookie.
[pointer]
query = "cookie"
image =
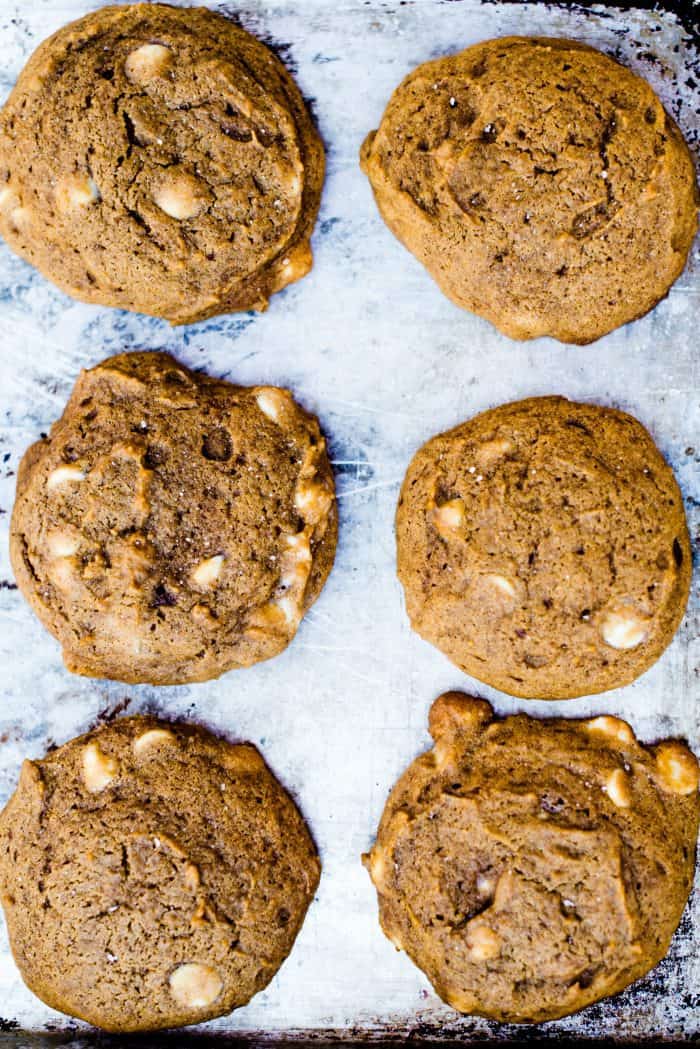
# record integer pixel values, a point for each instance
(152, 875)
(162, 160)
(173, 526)
(543, 547)
(530, 867)
(540, 183)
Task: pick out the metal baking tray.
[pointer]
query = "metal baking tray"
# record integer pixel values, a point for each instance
(369, 343)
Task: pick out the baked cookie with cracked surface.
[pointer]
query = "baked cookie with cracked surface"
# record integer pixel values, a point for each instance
(152, 875)
(540, 183)
(173, 526)
(162, 160)
(531, 867)
(543, 547)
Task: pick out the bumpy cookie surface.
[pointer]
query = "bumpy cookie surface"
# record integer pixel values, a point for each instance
(530, 867)
(160, 160)
(543, 547)
(173, 526)
(540, 183)
(152, 875)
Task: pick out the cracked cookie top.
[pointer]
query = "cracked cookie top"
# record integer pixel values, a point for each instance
(531, 867)
(152, 875)
(160, 160)
(541, 184)
(173, 526)
(543, 547)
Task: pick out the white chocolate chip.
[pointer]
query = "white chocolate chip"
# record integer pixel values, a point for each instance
(485, 886)
(62, 574)
(614, 728)
(296, 562)
(98, 769)
(180, 197)
(272, 402)
(483, 943)
(290, 610)
(64, 475)
(195, 986)
(208, 572)
(503, 585)
(9, 200)
(286, 608)
(491, 451)
(618, 789)
(677, 768)
(299, 544)
(443, 753)
(147, 62)
(313, 501)
(154, 737)
(61, 544)
(624, 630)
(77, 192)
(449, 518)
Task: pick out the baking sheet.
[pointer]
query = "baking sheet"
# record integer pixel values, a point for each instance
(369, 343)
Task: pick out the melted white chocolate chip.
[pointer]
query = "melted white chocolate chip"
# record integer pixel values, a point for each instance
(617, 788)
(64, 475)
(485, 886)
(483, 943)
(98, 768)
(180, 197)
(624, 630)
(491, 451)
(449, 518)
(77, 192)
(502, 585)
(313, 501)
(294, 575)
(8, 199)
(149, 740)
(147, 62)
(677, 768)
(61, 544)
(207, 572)
(613, 728)
(273, 402)
(195, 986)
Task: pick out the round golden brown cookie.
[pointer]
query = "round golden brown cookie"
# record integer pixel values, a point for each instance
(172, 526)
(543, 547)
(160, 159)
(152, 875)
(540, 183)
(530, 867)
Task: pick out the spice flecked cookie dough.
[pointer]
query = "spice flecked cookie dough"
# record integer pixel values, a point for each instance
(543, 547)
(152, 875)
(162, 160)
(539, 182)
(173, 526)
(531, 867)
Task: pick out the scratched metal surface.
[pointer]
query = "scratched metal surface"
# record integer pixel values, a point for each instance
(369, 343)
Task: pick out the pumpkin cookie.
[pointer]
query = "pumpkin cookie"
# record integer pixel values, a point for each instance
(540, 183)
(172, 526)
(162, 160)
(530, 867)
(543, 547)
(152, 875)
